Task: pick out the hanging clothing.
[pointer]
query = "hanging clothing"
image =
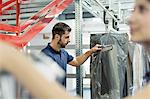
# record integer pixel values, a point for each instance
(108, 68)
(147, 67)
(138, 68)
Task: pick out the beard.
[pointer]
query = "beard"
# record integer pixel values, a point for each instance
(61, 44)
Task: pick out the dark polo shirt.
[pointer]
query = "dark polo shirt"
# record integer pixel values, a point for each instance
(62, 58)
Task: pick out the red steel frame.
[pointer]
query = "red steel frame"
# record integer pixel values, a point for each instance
(0, 7)
(18, 16)
(44, 16)
(7, 5)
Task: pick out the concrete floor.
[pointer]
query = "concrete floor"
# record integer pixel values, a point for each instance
(86, 93)
(71, 87)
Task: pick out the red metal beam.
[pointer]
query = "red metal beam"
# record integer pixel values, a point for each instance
(4, 11)
(8, 28)
(7, 3)
(18, 16)
(59, 8)
(1, 1)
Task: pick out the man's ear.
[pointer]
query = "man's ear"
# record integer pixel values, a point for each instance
(57, 37)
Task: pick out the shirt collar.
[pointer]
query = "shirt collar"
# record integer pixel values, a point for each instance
(57, 52)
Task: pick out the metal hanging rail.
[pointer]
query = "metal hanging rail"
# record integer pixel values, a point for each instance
(95, 7)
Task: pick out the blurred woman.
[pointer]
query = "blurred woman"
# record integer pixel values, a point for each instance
(140, 32)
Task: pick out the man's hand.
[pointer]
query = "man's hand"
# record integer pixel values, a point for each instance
(82, 58)
(96, 48)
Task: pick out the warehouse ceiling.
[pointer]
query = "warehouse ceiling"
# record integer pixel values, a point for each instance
(92, 8)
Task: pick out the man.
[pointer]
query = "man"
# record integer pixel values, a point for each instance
(60, 38)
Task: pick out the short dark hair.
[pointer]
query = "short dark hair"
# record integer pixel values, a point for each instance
(60, 29)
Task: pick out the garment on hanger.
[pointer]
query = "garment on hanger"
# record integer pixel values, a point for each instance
(108, 68)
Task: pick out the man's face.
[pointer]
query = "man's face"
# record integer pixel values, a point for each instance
(64, 40)
(140, 21)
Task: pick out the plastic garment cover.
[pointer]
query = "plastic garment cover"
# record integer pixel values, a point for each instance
(108, 68)
(138, 68)
(147, 67)
(11, 89)
(147, 64)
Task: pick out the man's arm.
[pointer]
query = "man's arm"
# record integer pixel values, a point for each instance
(82, 58)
